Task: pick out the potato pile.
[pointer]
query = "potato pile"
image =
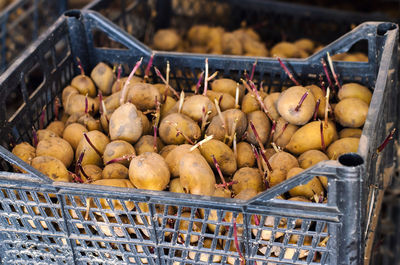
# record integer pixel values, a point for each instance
(244, 41)
(232, 140)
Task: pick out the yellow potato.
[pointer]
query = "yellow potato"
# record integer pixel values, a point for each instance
(93, 172)
(170, 124)
(57, 127)
(112, 102)
(183, 229)
(231, 45)
(215, 128)
(307, 190)
(270, 104)
(281, 163)
(56, 147)
(166, 150)
(84, 85)
(285, 50)
(76, 104)
(67, 92)
(318, 95)
(146, 144)
(289, 100)
(354, 90)
(245, 156)
(194, 105)
(117, 149)
(350, 132)
(115, 171)
(261, 124)
(103, 77)
(250, 103)
(227, 102)
(311, 157)
(342, 146)
(73, 133)
(44, 134)
(226, 85)
(351, 112)
(254, 48)
(89, 122)
(167, 106)
(126, 124)
(25, 152)
(222, 153)
(305, 44)
(247, 178)
(176, 186)
(51, 167)
(166, 40)
(283, 132)
(149, 171)
(143, 96)
(196, 175)
(174, 157)
(99, 140)
(308, 137)
(203, 257)
(198, 35)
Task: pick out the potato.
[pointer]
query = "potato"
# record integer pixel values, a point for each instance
(117, 149)
(126, 124)
(281, 163)
(283, 132)
(305, 44)
(214, 44)
(231, 45)
(73, 133)
(288, 101)
(222, 153)
(94, 172)
(76, 104)
(146, 144)
(196, 175)
(122, 183)
(164, 90)
(261, 124)
(167, 149)
(310, 158)
(115, 171)
(245, 156)
(112, 102)
(318, 95)
(342, 146)
(215, 128)
(25, 152)
(99, 140)
(285, 50)
(307, 190)
(67, 92)
(170, 124)
(176, 186)
(290, 251)
(250, 103)
(57, 127)
(351, 112)
(143, 96)
(193, 107)
(45, 134)
(198, 35)
(244, 194)
(147, 126)
(89, 122)
(184, 225)
(354, 90)
(84, 85)
(227, 102)
(103, 77)
(350, 132)
(308, 137)
(166, 40)
(203, 257)
(51, 167)
(254, 48)
(226, 85)
(247, 178)
(73, 118)
(167, 106)
(270, 104)
(56, 147)
(174, 157)
(149, 171)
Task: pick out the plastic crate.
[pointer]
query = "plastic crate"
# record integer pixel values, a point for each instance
(22, 22)
(44, 221)
(275, 21)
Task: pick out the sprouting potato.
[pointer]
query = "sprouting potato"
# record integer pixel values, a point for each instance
(307, 190)
(115, 171)
(247, 178)
(194, 105)
(227, 102)
(281, 163)
(342, 146)
(143, 96)
(94, 172)
(350, 132)
(103, 77)
(57, 127)
(283, 132)
(261, 124)
(230, 116)
(73, 133)
(118, 149)
(25, 152)
(44, 134)
(126, 124)
(311, 157)
(351, 112)
(99, 140)
(226, 85)
(146, 144)
(166, 150)
(174, 157)
(245, 156)
(354, 90)
(270, 104)
(56, 147)
(51, 167)
(169, 125)
(222, 154)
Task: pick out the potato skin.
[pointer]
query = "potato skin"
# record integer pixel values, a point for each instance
(73, 133)
(318, 95)
(311, 157)
(270, 104)
(76, 104)
(250, 102)
(307, 190)
(193, 107)
(94, 172)
(354, 90)
(51, 167)
(84, 85)
(56, 147)
(126, 124)
(281, 163)
(174, 157)
(117, 149)
(146, 144)
(103, 77)
(115, 171)
(261, 124)
(308, 137)
(227, 102)
(149, 171)
(342, 146)
(215, 128)
(222, 153)
(176, 186)
(25, 152)
(186, 125)
(57, 127)
(350, 132)
(226, 85)
(196, 175)
(288, 101)
(166, 40)
(351, 112)
(283, 132)
(245, 156)
(143, 96)
(99, 140)
(247, 178)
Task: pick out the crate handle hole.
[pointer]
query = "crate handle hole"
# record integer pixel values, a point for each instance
(385, 27)
(73, 13)
(351, 160)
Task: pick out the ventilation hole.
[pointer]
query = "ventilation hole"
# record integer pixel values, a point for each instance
(73, 13)
(357, 53)
(62, 50)
(14, 101)
(351, 160)
(385, 27)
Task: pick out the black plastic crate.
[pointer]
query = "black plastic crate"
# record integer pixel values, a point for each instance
(337, 229)
(275, 21)
(22, 22)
